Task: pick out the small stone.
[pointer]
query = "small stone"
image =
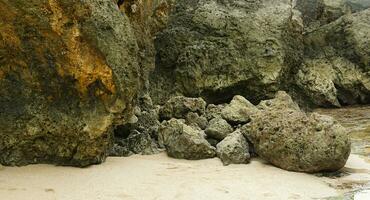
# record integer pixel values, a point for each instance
(178, 107)
(239, 110)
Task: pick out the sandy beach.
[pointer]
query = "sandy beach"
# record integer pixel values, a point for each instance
(159, 177)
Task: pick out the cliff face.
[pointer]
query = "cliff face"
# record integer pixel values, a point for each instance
(69, 73)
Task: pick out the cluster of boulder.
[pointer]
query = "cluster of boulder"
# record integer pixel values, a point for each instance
(276, 130)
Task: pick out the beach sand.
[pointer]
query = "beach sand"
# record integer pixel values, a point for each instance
(158, 177)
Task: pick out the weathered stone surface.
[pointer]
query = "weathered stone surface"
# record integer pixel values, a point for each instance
(193, 119)
(183, 141)
(218, 129)
(293, 140)
(214, 111)
(337, 68)
(239, 110)
(233, 149)
(281, 101)
(217, 49)
(68, 74)
(180, 106)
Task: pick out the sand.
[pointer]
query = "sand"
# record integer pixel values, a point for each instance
(159, 177)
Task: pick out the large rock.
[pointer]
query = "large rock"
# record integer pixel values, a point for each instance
(336, 70)
(180, 106)
(239, 110)
(218, 128)
(233, 149)
(183, 141)
(217, 49)
(68, 75)
(292, 140)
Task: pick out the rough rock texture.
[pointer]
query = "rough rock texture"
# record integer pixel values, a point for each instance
(336, 70)
(292, 140)
(214, 111)
(68, 74)
(239, 110)
(193, 119)
(183, 141)
(140, 135)
(233, 149)
(147, 18)
(218, 128)
(180, 106)
(217, 49)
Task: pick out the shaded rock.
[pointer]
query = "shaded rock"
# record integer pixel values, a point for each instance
(180, 106)
(295, 141)
(193, 119)
(217, 49)
(233, 149)
(336, 70)
(183, 141)
(213, 142)
(135, 143)
(239, 110)
(214, 111)
(218, 129)
(69, 74)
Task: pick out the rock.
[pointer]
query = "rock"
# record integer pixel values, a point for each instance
(183, 141)
(218, 129)
(238, 111)
(180, 106)
(193, 119)
(281, 101)
(233, 149)
(292, 140)
(217, 49)
(336, 69)
(214, 111)
(68, 76)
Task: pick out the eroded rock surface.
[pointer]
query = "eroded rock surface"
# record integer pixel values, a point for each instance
(68, 74)
(296, 141)
(217, 49)
(233, 149)
(183, 141)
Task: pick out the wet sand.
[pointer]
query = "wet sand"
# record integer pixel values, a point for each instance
(159, 177)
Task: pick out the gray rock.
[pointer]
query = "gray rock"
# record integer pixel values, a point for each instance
(218, 129)
(336, 70)
(214, 111)
(193, 119)
(292, 140)
(180, 106)
(217, 49)
(239, 110)
(233, 149)
(183, 141)
(281, 101)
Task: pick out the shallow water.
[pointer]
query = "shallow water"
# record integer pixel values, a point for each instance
(357, 122)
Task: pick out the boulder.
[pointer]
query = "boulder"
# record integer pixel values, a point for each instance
(183, 141)
(233, 149)
(217, 49)
(218, 129)
(180, 106)
(293, 140)
(214, 111)
(336, 70)
(68, 76)
(239, 110)
(193, 119)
